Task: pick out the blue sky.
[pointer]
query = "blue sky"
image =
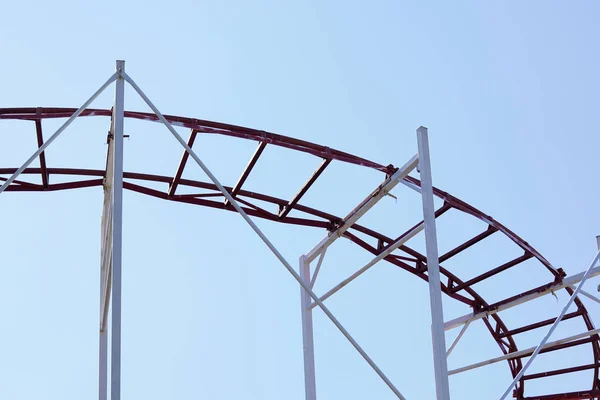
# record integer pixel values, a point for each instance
(507, 90)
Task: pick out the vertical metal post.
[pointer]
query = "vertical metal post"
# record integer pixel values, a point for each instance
(103, 366)
(433, 269)
(310, 388)
(117, 234)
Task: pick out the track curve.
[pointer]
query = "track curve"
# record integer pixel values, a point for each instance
(372, 241)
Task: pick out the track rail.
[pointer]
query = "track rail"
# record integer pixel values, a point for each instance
(292, 211)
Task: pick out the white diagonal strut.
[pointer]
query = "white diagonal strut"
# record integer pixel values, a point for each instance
(313, 279)
(57, 133)
(405, 238)
(460, 335)
(568, 281)
(363, 207)
(287, 265)
(522, 353)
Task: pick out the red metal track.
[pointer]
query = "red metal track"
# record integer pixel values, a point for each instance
(374, 242)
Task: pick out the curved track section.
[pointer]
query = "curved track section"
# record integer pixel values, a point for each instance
(405, 257)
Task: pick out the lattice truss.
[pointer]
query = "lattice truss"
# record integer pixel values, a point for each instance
(396, 250)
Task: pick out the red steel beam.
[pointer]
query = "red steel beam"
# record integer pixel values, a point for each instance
(247, 170)
(40, 142)
(468, 243)
(583, 395)
(56, 186)
(561, 371)
(440, 211)
(219, 205)
(288, 207)
(493, 272)
(182, 162)
(33, 186)
(469, 209)
(203, 126)
(540, 324)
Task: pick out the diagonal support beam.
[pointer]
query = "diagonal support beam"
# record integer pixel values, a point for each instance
(247, 170)
(568, 281)
(56, 134)
(304, 284)
(182, 162)
(288, 207)
(460, 335)
(525, 352)
(399, 242)
(363, 207)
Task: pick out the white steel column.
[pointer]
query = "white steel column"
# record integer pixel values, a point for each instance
(103, 365)
(117, 234)
(310, 387)
(106, 232)
(433, 269)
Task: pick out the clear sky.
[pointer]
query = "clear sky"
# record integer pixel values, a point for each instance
(508, 90)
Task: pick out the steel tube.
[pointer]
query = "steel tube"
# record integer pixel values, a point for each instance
(460, 334)
(374, 261)
(521, 353)
(117, 235)
(568, 281)
(313, 279)
(308, 346)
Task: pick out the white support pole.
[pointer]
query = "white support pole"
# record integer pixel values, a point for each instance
(552, 328)
(57, 133)
(433, 269)
(363, 207)
(117, 234)
(310, 387)
(103, 366)
(266, 241)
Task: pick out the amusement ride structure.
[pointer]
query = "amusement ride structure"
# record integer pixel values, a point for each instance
(430, 266)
